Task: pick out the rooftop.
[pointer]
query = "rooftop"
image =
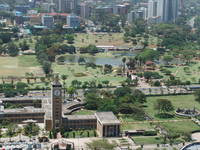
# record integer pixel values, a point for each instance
(107, 118)
(79, 117)
(24, 110)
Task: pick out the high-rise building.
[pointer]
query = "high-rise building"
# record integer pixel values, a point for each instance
(166, 10)
(85, 10)
(152, 8)
(67, 5)
(137, 14)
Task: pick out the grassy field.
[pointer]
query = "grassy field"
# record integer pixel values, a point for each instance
(187, 73)
(181, 101)
(89, 74)
(18, 66)
(180, 127)
(142, 140)
(115, 39)
(137, 126)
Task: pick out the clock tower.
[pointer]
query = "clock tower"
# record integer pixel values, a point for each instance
(56, 101)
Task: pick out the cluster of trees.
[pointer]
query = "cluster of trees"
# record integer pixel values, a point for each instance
(172, 81)
(140, 59)
(5, 37)
(89, 84)
(11, 90)
(91, 49)
(164, 107)
(101, 145)
(7, 46)
(122, 100)
(24, 45)
(139, 28)
(47, 47)
(11, 49)
(108, 22)
(148, 55)
(31, 129)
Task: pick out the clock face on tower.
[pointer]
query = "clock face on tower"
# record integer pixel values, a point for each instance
(57, 92)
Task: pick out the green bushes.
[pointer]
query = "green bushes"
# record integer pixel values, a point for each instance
(150, 133)
(79, 133)
(11, 90)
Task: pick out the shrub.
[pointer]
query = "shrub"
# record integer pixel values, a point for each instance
(150, 133)
(80, 74)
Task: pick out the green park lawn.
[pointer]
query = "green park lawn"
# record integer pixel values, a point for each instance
(180, 101)
(88, 74)
(115, 39)
(181, 126)
(142, 140)
(18, 66)
(137, 126)
(192, 74)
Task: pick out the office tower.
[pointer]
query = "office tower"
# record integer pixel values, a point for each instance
(170, 10)
(137, 14)
(67, 5)
(163, 10)
(85, 10)
(152, 8)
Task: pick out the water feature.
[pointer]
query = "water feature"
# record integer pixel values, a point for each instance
(114, 61)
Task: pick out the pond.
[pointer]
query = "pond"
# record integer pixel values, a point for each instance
(114, 61)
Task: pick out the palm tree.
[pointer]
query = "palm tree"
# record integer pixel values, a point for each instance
(71, 91)
(11, 131)
(31, 129)
(124, 63)
(1, 134)
(19, 132)
(131, 64)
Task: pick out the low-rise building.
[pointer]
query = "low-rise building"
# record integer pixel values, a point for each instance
(107, 124)
(77, 122)
(19, 115)
(22, 8)
(52, 114)
(4, 7)
(73, 21)
(48, 21)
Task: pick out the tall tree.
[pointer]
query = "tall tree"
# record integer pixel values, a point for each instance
(197, 95)
(31, 129)
(101, 145)
(164, 106)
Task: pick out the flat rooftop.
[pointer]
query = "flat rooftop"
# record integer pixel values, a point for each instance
(107, 118)
(23, 98)
(80, 117)
(24, 110)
